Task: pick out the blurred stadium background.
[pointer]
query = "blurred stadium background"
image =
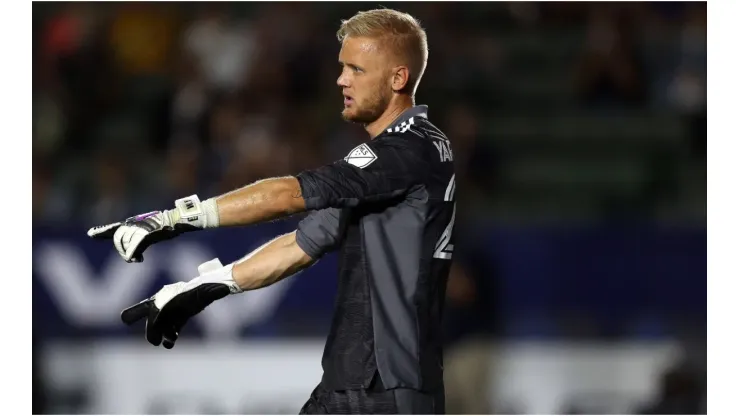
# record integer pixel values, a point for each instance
(580, 128)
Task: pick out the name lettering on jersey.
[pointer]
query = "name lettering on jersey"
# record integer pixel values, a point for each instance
(445, 152)
(361, 156)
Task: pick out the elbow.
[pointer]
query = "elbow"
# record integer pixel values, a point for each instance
(302, 258)
(289, 197)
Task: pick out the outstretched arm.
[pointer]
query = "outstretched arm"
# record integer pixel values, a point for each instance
(264, 200)
(387, 168)
(172, 307)
(274, 261)
(317, 234)
(392, 170)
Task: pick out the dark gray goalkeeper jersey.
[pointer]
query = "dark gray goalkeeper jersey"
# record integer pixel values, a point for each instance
(389, 208)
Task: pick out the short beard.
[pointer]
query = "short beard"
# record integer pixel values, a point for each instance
(376, 105)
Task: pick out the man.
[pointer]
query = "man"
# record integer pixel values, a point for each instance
(388, 207)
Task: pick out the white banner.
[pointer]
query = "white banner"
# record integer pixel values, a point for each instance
(277, 377)
(211, 378)
(546, 378)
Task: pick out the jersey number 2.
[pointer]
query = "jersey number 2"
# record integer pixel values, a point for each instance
(443, 248)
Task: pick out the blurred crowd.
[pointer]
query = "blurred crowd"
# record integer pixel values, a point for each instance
(137, 104)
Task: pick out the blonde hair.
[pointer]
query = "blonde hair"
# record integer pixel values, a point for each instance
(404, 34)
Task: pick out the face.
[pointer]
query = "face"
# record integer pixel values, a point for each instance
(366, 79)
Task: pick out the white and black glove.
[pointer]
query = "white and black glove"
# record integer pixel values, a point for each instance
(170, 309)
(134, 235)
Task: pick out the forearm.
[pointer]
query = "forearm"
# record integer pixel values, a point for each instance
(280, 258)
(264, 200)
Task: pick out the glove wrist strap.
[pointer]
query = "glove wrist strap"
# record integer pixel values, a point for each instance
(210, 209)
(222, 275)
(191, 211)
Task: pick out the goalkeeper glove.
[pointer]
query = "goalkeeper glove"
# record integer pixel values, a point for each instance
(134, 235)
(169, 309)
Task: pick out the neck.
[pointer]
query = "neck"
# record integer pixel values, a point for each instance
(397, 106)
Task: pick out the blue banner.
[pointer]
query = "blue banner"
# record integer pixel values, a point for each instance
(531, 276)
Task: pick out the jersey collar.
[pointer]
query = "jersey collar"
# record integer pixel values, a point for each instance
(416, 111)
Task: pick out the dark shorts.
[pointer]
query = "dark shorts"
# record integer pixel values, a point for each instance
(373, 401)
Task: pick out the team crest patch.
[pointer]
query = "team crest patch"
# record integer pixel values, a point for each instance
(361, 156)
